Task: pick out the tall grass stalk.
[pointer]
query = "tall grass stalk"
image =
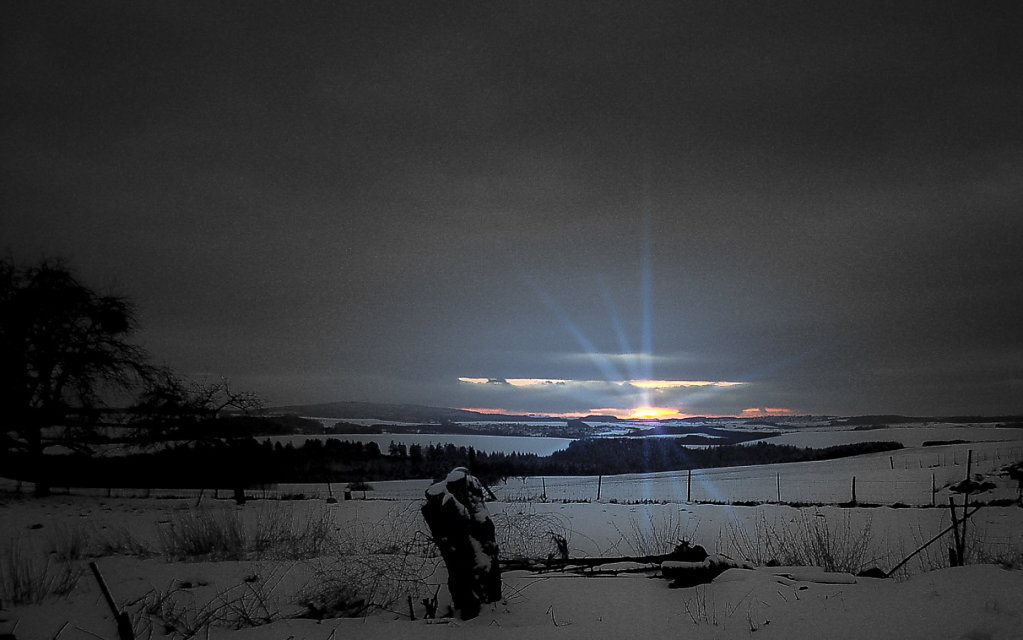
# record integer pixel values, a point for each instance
(655, 534)
(204, 534)
(274, 532)
(70, 542)
(30, 579)
(811, 539)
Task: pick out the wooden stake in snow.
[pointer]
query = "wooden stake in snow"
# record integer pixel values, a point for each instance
(929, 542)
(966, 505)
(464, 533)
(955, 555)
(124, 630)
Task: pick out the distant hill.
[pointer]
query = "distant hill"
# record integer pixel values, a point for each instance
(599, 418)
(422, 414)
(399, 413)
(896, 419)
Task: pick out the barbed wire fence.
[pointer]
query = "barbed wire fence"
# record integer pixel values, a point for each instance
(917, 478)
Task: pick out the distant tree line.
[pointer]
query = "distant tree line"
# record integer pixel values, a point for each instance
(246, 462)
(645, 455)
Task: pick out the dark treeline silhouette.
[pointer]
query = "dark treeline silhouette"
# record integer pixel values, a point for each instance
(632, 455)
(246, 462)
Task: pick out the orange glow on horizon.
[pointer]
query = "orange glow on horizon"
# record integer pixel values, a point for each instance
(758, 412)
(653, 413)
(639, 413)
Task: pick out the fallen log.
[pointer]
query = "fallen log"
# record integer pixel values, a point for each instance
(571, 564)
(690, 574)
(683, 552)
(685, 566)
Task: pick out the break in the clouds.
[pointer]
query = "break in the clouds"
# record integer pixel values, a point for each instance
(620, 398)
(369, 200)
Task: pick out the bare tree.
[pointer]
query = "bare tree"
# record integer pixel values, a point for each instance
(62, 345)
(171, 406)
(219, 397)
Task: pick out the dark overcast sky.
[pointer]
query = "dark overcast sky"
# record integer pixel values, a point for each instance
(371, 200)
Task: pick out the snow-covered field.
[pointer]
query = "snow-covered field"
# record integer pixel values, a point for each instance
(298, 550)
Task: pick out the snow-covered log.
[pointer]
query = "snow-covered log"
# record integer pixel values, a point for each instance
(688, 574)
(464, 533)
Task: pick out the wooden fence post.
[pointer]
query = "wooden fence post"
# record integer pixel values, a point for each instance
(966, 506)
(778, 482)
(955, 556)
(854, 490)
(689, 487)
(599, 478)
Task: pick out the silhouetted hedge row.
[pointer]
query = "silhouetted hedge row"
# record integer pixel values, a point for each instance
(247, 462)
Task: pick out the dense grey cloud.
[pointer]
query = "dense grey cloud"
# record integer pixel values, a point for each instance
(368, 201)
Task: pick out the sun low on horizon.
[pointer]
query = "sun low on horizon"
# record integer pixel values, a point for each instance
(625, 399)
(653, 413)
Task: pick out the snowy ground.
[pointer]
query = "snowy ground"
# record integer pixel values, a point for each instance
(377, 545)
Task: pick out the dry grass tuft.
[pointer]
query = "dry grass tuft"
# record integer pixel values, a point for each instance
(26, 578)
(275, 533)
(655, 535)
(811, 539)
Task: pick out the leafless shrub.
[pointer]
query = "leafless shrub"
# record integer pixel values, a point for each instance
(180, 613)
(528, 534)
(379, 565)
